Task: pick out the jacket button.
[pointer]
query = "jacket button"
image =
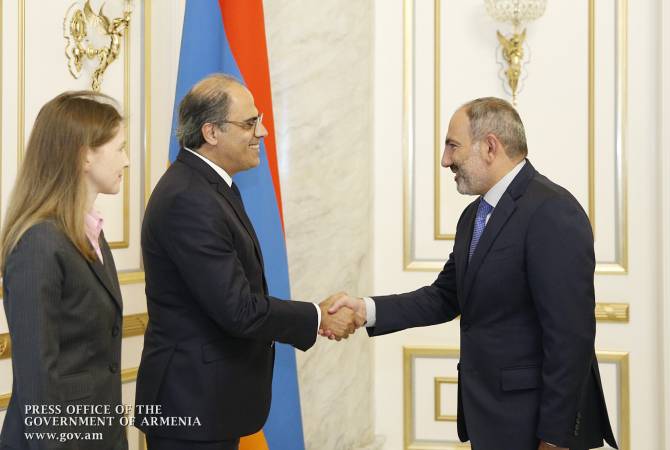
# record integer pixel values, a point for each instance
(115, 330)
(465, 326)
(113, 367)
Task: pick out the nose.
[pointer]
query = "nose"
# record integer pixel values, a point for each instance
(446, 157)
(126, 161)
(261, 131)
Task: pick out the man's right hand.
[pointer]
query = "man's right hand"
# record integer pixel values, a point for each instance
(344, 302)
(337, 325)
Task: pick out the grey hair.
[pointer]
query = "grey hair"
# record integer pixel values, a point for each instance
(208, 101)
(497, 116)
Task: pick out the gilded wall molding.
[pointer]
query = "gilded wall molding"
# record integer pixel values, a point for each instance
(411, 262)
(612, 312)
(2, 69)
(5, 346)
(127, 376)
(620, 360)
(125, 277)
(410, 353)
(133, 325)
(21, 135)
(439, 381)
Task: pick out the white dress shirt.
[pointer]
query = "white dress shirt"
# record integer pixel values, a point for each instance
(229, 181)
(492, 197)
(222, 173)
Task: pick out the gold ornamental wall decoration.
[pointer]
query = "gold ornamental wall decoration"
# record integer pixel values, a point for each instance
(512, 47)
(95, 37)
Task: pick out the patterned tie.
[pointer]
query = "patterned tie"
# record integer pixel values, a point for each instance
(480, 222)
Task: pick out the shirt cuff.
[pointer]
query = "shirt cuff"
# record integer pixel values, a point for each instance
(370, 312)
(318, 320)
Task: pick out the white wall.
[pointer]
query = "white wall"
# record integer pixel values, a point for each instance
(555, 107)
(323, 123)
(664, 168)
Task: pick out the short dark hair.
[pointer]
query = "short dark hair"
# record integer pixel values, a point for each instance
(497, 116)
(208, 101)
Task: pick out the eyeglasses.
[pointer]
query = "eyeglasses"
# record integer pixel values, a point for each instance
(254, 122)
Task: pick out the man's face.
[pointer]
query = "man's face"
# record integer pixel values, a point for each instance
(238, 144)
(464, 157)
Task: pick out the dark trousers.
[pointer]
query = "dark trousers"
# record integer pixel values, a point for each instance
(160, 443)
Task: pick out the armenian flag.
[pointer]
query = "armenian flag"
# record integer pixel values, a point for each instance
(229, 36)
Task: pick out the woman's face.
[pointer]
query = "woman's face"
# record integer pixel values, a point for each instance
(104, 165)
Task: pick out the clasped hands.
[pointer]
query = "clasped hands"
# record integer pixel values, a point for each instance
(341, 315)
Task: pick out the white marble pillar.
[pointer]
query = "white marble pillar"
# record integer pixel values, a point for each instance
(320, 56)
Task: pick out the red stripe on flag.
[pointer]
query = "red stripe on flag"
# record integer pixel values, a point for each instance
(243, 22)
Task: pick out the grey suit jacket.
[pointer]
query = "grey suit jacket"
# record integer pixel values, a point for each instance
(64, 315)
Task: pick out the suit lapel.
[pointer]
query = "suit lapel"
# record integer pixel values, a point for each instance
(462, 244)
(497, 221)
(499, 217)
(109, 281)
(236, 203)
(227, 193)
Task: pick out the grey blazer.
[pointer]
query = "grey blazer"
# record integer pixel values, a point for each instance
(64, 315)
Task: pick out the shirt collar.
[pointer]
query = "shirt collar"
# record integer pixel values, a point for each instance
(94, 223)
(222, 173)
(494, 194)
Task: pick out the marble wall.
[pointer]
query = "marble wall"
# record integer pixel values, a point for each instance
(321, 70)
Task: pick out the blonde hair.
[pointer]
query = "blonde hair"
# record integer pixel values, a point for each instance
(50, 184)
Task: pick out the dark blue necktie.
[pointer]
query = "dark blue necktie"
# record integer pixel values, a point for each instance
(480, 223)
(236, 190)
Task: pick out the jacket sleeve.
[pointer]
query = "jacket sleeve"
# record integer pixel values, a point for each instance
(560, 267)
(32, 297)
(428, 305)
(200, 243)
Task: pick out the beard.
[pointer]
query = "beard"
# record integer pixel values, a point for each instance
(470, 176)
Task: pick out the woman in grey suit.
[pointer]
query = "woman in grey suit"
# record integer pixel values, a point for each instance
(61, 292)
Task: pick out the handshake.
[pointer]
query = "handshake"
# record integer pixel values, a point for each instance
(341, 315)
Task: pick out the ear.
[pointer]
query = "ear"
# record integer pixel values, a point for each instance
(208, 131)
(493, 147)
(88, 159)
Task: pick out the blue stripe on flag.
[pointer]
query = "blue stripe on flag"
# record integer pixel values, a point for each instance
(205, 50)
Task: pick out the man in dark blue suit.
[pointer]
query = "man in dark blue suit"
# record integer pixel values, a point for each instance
(521, 278)
(209, 347)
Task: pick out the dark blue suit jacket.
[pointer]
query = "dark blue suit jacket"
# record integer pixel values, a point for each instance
(527, 368)
(208, 349)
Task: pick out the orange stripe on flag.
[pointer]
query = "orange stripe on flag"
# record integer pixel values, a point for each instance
(244, 23)
(254, 442)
